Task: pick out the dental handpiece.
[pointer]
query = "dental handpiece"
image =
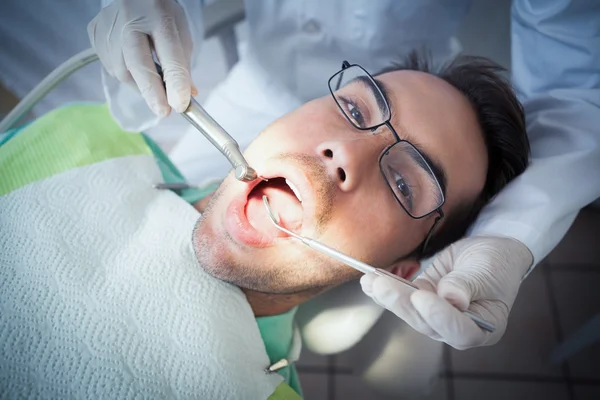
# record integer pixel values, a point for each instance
(203, 122)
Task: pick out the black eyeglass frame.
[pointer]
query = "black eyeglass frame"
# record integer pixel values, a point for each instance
(346, 65)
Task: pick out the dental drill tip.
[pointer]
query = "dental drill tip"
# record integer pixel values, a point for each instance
(245, 173)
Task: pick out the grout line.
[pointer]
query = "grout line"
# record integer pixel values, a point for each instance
(448, 373)
(331, 369)
(586, 381)
(523, 378)
(316, 369)
(558, 328)
(584, 268)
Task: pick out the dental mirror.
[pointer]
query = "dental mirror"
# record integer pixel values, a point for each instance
(356, 264)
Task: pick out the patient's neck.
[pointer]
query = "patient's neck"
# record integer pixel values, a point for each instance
(266, 304)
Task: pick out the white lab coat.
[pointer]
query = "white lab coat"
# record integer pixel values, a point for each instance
(294, 47)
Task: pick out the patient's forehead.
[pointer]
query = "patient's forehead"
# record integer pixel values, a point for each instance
(433, 114)
(424, 88)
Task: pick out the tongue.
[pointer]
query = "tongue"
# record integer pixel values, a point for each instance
(282, 201)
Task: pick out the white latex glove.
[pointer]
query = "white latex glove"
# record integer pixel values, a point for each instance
(123, 35)
(481, 274)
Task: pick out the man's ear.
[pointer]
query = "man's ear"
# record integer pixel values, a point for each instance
(406, 268)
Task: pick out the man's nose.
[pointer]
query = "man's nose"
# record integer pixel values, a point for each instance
(349, 162)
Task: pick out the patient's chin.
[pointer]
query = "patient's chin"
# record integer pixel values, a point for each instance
(219, 263)
(207, 248)
(213, 254)
(270, 272)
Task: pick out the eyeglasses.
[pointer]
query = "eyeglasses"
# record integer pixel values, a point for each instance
(406, 170)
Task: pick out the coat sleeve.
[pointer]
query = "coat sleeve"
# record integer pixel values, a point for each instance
(556, 72)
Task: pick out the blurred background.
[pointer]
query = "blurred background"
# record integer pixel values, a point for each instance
(553, 305)
(556, 312)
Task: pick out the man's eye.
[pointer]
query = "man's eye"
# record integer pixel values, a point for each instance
(353, 112)
(403, 189)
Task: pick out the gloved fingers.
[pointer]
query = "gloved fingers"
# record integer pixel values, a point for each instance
(463, 286)
(101, 40)
(457, 291)
(441, 265)
(455, 328)
(120, 70)
(188, 46)
(175, 64)
(425, 284)
(185, 36)
(100, 46)
(395, 296)
(366, 284)
(138, 59)
(92, 26)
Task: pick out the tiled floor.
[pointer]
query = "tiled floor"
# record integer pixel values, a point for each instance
(556, 299)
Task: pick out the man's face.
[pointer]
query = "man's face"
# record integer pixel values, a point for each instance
(315, 154)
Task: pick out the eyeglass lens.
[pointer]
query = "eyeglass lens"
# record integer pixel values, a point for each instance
(359, 98)
(411, 179)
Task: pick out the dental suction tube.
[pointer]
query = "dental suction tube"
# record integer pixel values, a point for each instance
(195, 114)
(62, 72)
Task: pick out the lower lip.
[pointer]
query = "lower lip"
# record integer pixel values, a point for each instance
(240, 228)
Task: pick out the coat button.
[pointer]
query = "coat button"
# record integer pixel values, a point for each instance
(312, 27)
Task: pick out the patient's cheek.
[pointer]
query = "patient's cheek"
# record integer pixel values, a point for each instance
(201, 205)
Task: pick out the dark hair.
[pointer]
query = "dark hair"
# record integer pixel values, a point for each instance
(502, 121)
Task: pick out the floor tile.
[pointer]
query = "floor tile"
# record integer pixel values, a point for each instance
(310, 359)
(392, 342)
(350, 359)
(314, 386)
(527, 342)
(349, 387)
(580, 244)
(578, 300)
(587, 392)
(467, 389)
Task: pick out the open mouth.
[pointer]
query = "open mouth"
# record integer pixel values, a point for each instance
(284, 197)
(290, 194)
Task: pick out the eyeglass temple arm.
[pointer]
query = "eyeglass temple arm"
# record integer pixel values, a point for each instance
(430, 234)
(345, 65)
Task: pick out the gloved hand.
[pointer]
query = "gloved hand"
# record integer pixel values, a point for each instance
(123, 35)
(481, 274)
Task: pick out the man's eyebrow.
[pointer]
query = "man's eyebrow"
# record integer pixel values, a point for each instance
(377, 91)
(385, 92)
(438, 171)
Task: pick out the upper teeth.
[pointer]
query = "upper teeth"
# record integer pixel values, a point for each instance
(294, 189)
